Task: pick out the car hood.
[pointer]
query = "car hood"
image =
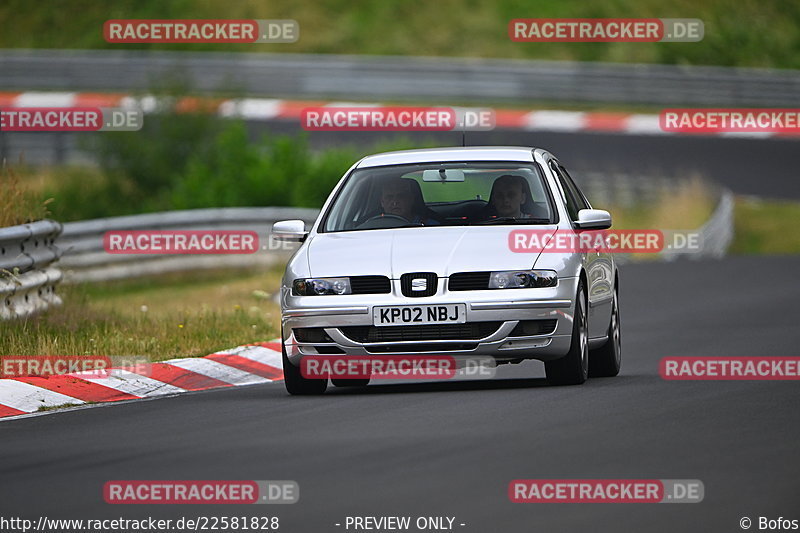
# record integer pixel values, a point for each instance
(393, 252)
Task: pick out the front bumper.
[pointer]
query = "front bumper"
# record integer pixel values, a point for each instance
(507, 307)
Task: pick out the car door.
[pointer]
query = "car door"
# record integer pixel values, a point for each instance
(597, 262)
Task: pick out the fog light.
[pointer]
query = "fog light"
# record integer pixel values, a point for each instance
(311, 335)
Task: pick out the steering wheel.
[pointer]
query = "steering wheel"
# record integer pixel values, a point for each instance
(384, 221)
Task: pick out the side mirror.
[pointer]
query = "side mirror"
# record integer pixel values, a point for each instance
(593, 219)
(290, 230)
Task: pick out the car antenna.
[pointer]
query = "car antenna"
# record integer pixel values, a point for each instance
(463, 131)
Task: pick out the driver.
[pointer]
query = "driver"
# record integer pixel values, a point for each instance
(398, 198)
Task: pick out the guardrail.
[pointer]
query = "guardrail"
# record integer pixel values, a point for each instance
(27, 279)
(715, 235)
(401, 78)
(85, 258)
(626, 190)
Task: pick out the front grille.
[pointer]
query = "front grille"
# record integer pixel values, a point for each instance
(468, 281)
(468, 331)
(408, 282)
(534, 327)
(409, 348)
(370, 285)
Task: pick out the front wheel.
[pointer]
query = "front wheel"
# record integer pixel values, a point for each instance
(294, 381)
(606, 361)
(573, 368)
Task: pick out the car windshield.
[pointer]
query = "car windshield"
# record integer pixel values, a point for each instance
(440, 194)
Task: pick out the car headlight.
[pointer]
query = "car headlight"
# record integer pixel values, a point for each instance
(321, 286)
(523, 279)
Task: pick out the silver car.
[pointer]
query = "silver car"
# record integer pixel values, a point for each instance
(411, 254)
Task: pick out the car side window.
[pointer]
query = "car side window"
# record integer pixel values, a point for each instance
(579, 197)
(566, 193)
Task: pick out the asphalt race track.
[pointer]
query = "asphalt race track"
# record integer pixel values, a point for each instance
(450, 449)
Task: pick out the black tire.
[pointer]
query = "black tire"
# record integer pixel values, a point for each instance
(605, 362)
(294, 381)
(339, 382)
(573, 368)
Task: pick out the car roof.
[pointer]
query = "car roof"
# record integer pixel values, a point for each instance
(458, 153)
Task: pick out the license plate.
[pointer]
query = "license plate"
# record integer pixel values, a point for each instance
(420, 314)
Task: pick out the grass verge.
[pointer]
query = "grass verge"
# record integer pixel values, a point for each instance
(766, 227)
(176, 315)
(687, 207)
(18, 203)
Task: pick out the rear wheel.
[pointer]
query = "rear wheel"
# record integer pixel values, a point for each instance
(338, 382)
(295, 382)
(573, 368)
(605, 362)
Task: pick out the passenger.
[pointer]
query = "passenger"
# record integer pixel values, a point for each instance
(402, 197)
(508, 197)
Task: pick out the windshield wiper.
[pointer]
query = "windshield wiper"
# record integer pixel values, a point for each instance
(511, 220)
